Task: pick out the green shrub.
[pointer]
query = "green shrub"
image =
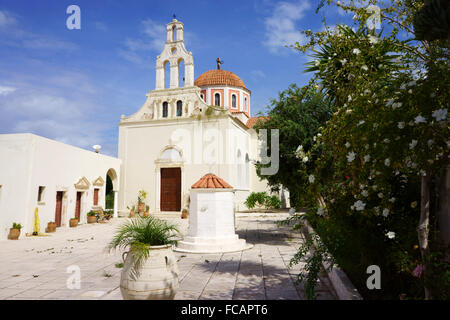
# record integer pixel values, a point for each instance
(262, 199)
(272, 202)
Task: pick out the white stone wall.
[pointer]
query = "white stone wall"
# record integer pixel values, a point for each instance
(28, 161)
(142, 142)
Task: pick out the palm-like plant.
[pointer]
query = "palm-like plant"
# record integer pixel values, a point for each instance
(141, 233)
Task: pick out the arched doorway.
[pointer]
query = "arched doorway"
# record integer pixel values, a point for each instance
(112, 191)
(169, 180)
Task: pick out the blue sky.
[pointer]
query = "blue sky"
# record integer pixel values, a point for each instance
(73, 85)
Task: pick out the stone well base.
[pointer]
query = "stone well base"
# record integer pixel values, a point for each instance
(212, 245)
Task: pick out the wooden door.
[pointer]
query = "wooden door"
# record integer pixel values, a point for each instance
(170, 189)
(95, 197)
(58, 209)
(78, 205)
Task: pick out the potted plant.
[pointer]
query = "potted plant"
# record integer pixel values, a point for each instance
(73, 222)
(150, 270)
(132, 212)
(91, 217)
(147, 211)
(141, 204)
(51, 226)
(184, 213)
(14, 232)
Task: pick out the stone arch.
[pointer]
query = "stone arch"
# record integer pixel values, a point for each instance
(217, 99)
(171, 154)
(179, 109)
(114, 178)
(112, 174)
(239, 172)
(247, 170)
(166, 74)
(181, 72)
(174, 33)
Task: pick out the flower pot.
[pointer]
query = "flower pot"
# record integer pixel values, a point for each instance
(14, 234)
(146, 214)
(184, 214)
(51, 227)
(156, 279)
(141, 207)
(91, 219)
(73, 223)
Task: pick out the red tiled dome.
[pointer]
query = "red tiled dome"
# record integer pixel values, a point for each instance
(219, 77)
(211, 181)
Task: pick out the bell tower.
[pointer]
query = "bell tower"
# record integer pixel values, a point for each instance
(174, 53)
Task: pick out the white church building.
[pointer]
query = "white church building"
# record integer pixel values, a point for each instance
(183, 131)
(187, 130)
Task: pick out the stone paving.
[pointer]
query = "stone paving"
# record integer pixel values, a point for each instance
(36, 267)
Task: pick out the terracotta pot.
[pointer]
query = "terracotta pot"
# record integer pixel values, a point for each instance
(184, 214)
(91, 219)
(141, 207)
(14, 234)
(146, 214)
(156, 279)
(73, 223)
(51, 227)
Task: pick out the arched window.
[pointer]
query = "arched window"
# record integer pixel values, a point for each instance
(174, 33)
(202, 96)
(179, 108)
(181, 72)
(166, 77)
(165, 109)
(247, 171)
(217, 99)
(233, 101)
(239, 163)
(245, 104)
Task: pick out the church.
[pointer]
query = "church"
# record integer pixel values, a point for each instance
(186, 129)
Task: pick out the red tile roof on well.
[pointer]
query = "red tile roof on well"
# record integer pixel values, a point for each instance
(211, 181)
(253, 120)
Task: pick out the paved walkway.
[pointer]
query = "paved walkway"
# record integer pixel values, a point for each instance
(36, 268)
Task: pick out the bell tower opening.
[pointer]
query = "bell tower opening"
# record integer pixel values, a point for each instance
(176, 56)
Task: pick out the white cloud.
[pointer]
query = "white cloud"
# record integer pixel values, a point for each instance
(67, 112)
(101, 26)
(6, 90)
(281, 26)
(6, 19)
(257, 74)
(153, 39)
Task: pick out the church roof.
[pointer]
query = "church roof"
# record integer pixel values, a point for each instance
(253, 120)
(219, 77)
(211, 181)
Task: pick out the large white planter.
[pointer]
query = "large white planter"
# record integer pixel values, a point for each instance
(157, 278)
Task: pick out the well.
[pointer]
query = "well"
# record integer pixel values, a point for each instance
(211, 219)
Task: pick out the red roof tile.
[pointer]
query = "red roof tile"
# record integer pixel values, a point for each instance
(211, 181)
(219, 77)
(253, 120)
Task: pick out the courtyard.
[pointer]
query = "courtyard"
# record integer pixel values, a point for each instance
(38, 268)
